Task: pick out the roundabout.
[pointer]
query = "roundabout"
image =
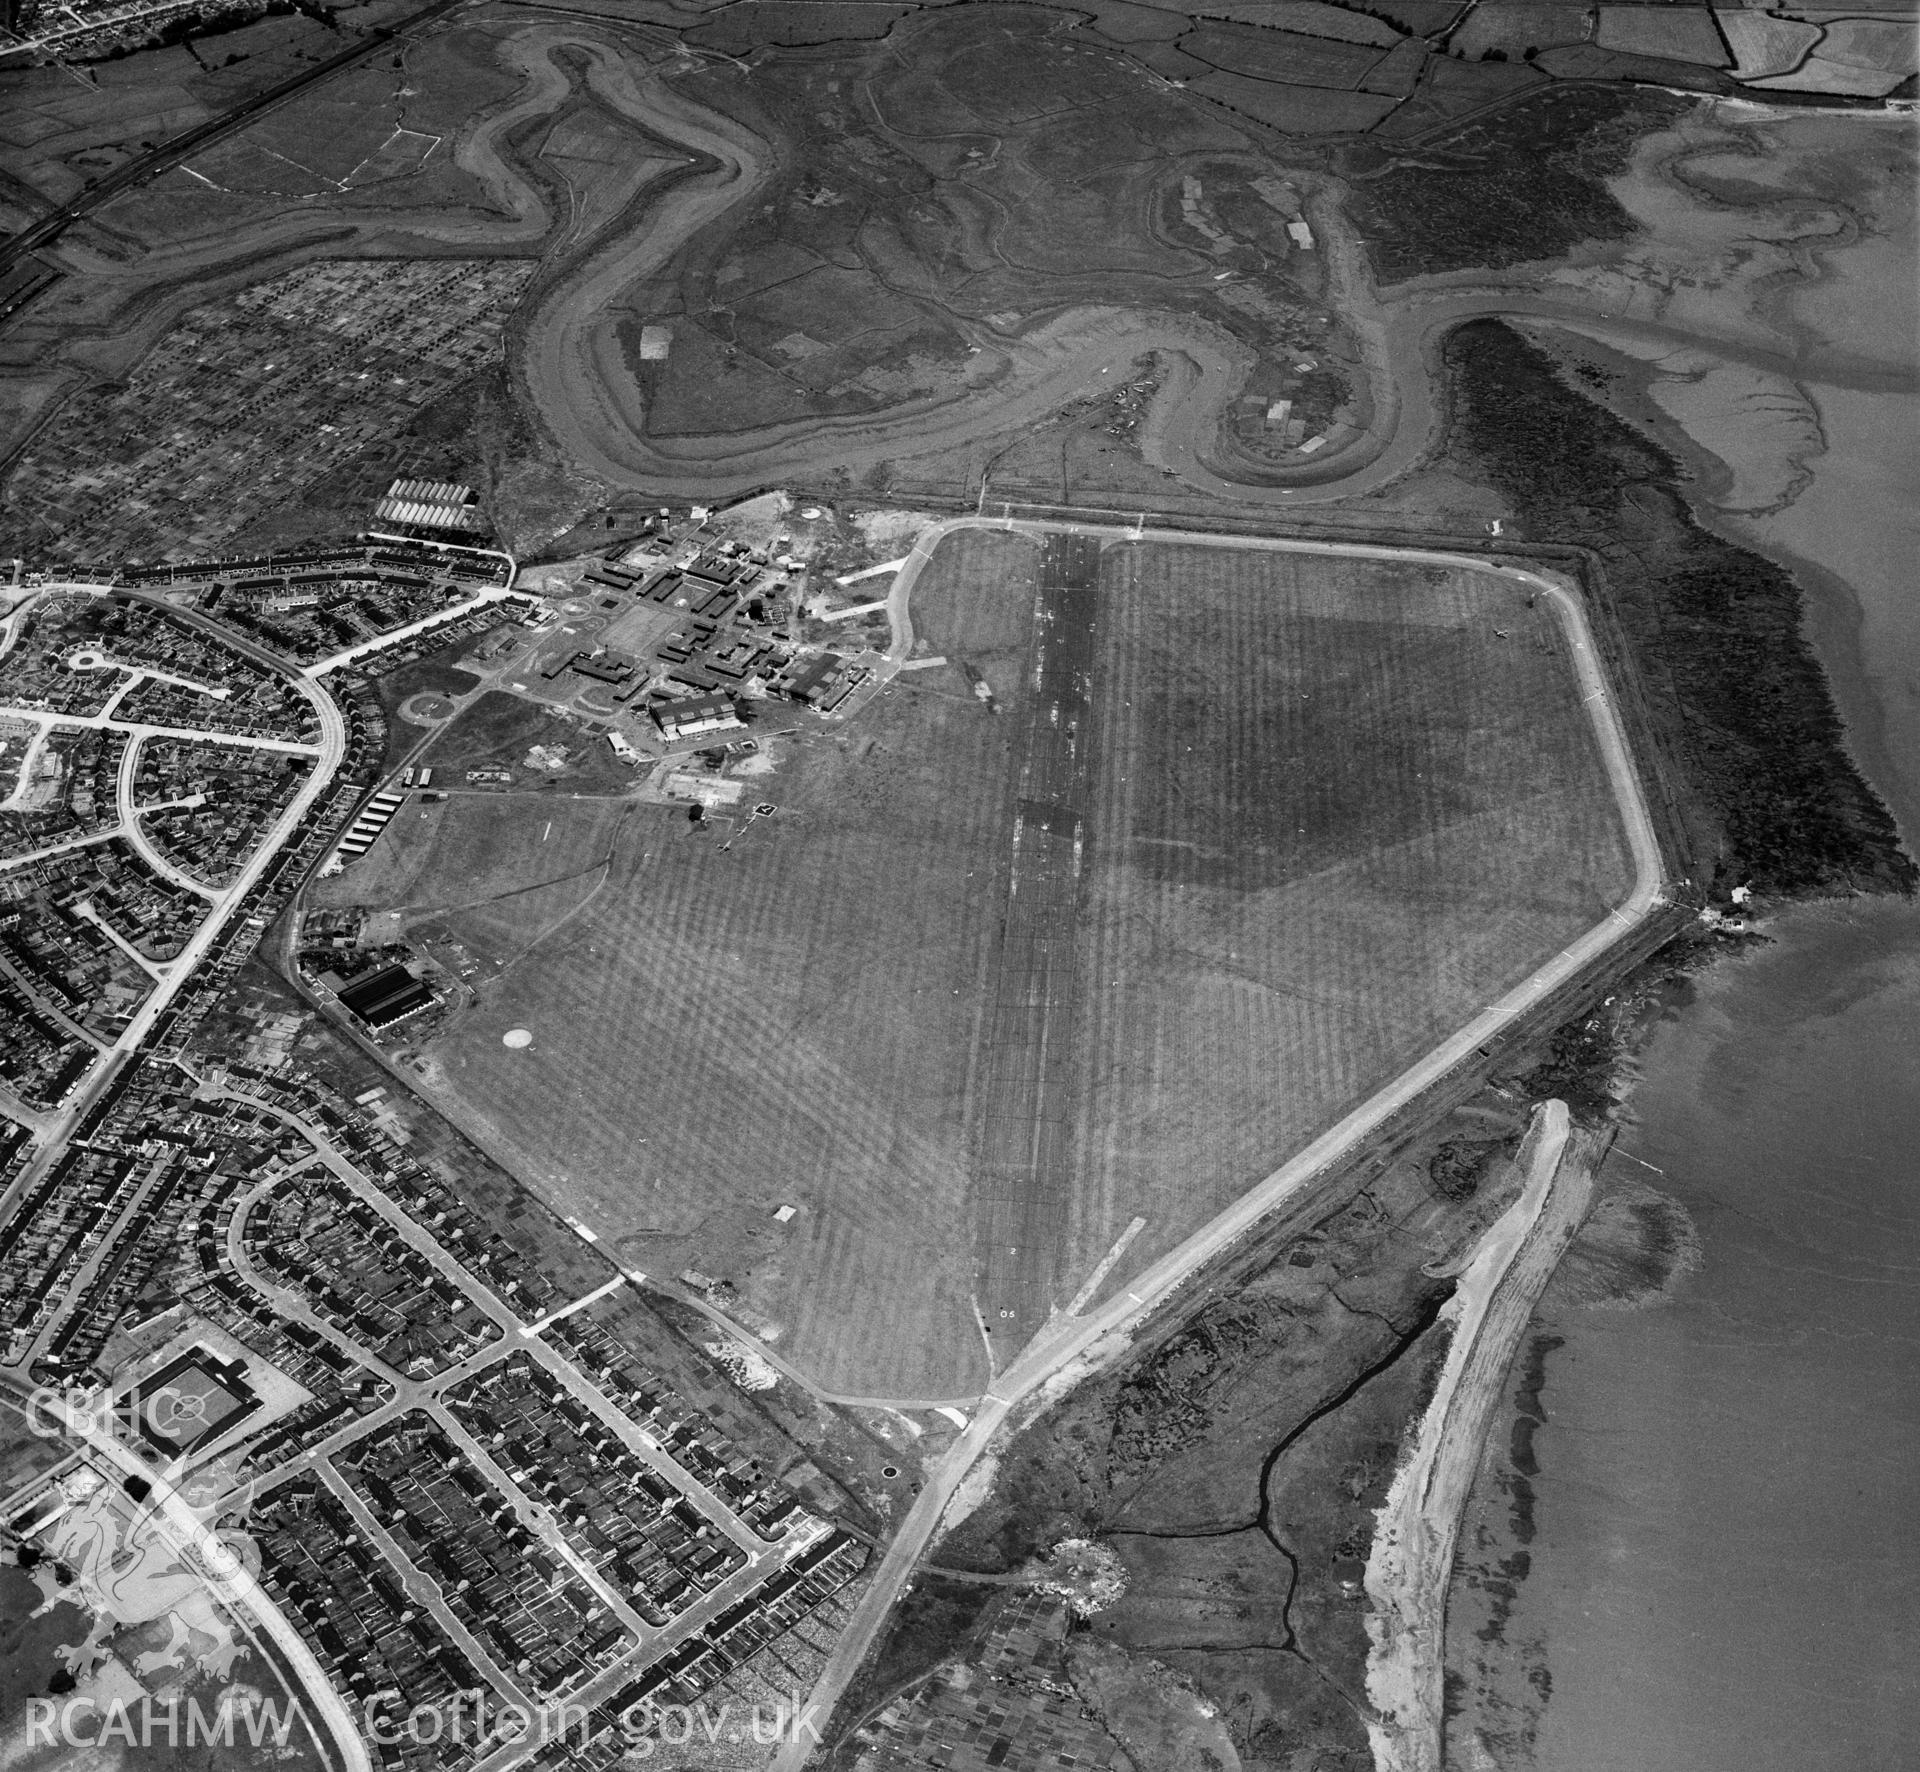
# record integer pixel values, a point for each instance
(427, 709)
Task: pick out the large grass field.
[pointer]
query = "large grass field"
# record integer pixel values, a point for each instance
(1336, 817)
(1325, 814)
(789, 1022)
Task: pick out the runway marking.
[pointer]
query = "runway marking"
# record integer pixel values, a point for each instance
(1084, 1296)
(986, 1336)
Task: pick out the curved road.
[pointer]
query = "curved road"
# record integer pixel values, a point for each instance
(225, 902)
(227, 1578)
(1070, 1346)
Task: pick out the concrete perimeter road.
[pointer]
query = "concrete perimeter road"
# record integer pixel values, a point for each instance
(1071, 1348)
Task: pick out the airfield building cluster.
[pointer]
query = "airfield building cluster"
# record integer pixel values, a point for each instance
(682, 646)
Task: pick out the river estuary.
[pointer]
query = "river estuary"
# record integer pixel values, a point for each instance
(1694, 1550)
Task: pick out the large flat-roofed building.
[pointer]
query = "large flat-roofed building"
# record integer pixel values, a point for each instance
(602, 667)
(384, 997)
(192, 1398)
(695, 715)
(810, 679)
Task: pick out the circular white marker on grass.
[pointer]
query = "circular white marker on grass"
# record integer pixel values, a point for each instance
(516, 1038)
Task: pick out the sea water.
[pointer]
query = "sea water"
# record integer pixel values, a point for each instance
(1700, 1551)
(1725, 1559)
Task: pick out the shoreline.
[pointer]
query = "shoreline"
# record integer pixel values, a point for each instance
(1672, 1421)
(1853, 577)
(1548, 1507)
(1409, 1568)
(1835, 616)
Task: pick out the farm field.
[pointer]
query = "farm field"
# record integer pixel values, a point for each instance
(1867, 58)
(1302, 110)
(1515, 26)
(1291, 57)
(1680, 33)
(1285, 822)
(1765, 45)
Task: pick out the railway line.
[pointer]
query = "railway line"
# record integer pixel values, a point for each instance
(176, 148)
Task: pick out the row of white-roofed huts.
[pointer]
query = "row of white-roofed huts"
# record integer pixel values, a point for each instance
(374, 818)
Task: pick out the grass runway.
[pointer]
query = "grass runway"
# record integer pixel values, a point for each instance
(1284, 822)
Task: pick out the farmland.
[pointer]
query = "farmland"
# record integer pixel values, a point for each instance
(1284, 821)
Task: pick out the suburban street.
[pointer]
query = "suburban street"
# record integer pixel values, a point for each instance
(427, 1395)
(515, 1336)
(222, 905)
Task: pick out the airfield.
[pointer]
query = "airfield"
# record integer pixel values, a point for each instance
(1011, 997)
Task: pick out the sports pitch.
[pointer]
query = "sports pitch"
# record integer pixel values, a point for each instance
(1250, 832)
